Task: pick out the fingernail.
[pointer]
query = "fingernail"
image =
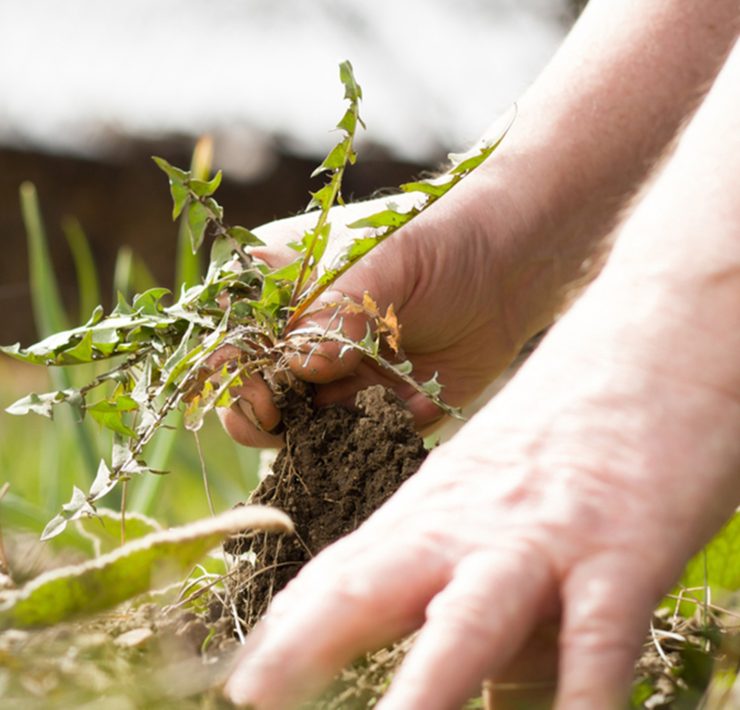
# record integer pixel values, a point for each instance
(246, 406)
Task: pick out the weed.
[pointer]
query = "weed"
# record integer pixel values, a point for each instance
(160, 353)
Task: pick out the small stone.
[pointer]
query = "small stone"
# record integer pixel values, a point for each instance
(134, 638)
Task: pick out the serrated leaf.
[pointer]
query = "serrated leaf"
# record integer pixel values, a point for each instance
(103, 483)
(173, 173)
(149, 302)
(348, 122)
(110, 414)
(322, 198)
(205, 188)
(180, 194)
(370, 343)
(95, 317)
(405, 368)
(352, 90)
(43, 403)
(338, 156)
(149, 562)
(214, 207)
(432, 387)
(244, 237)
(77, 506)
(197, 220)
(428, 187)
(82, 351)
(384, 218)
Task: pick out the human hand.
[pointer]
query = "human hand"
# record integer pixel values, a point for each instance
(558, 501)
(444, 275)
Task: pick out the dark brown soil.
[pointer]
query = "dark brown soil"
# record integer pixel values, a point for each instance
(337, 467)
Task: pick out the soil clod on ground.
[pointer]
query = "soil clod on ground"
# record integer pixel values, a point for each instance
(337, 467)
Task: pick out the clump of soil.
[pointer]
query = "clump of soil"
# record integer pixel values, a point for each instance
(337, 467)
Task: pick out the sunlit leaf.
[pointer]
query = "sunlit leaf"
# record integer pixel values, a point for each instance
(197, 216)
(432, 386)
(42, 404)
(173, 173)
(104, 529)
(722, 557)
(205, 188)
(384, 218)
(147, 563)
(244, 237)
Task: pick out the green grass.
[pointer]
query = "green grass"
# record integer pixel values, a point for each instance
(42, 460)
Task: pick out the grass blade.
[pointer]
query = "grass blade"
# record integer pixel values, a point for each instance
(88, 283)
(49, 317)
(48, 310)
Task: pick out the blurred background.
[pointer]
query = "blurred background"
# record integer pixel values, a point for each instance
(89, 91)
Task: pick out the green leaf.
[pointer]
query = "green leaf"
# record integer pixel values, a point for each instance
(384, 218)
(405, 368)
(46, 299)
(180, 194)
(244, 237)
(428, 187)
(338, 156)
(722, 562)
(110, 412)
(148, 303)
(222, 250)
(432, 387)
(42, 404)
(103, 483)
(197, 216)
(75, 508)
(322, 198)
(82, 351)
(348, 122)
(88, 286)
(147, 563)
(104, 529)
(352, 90)
(188, 266)
(205, 188)
(214, 207)
(173, 173)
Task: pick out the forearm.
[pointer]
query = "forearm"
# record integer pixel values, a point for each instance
(588, 131)
(655, 341)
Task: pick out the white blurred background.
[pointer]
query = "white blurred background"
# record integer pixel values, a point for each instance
(90, 89)
(80, 75)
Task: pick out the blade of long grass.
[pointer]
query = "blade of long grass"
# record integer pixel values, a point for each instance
(130, 274)
(122, 272)
(88, 283)
(189, 266)
(49, 317)
(48, 310)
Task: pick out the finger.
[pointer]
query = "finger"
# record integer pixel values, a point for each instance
(276, 236)
(253, 415)
(350, 599)
(243, 430)
(329, 360)
(474, 627)
(606, 615)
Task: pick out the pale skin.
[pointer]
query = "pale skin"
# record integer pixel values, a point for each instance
(558, 502)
